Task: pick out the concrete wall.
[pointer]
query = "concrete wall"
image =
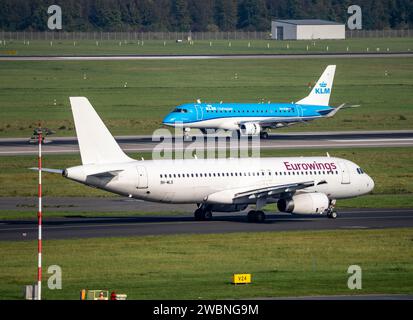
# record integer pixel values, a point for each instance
(309, 32)
(290, 30)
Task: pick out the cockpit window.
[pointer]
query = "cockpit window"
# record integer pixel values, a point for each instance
(180, 110)
(360, 171)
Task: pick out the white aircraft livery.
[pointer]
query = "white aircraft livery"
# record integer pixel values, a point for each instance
(299, 185)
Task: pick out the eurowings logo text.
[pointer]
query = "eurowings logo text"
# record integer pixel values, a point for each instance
(310, 166)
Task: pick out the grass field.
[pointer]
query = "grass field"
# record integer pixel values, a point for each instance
(105, 47)
(133, 96)
(391, 169)
(200, 266)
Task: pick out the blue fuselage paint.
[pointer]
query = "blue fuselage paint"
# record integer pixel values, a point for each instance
(204, 114)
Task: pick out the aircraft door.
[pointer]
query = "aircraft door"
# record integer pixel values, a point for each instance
(345, 175)
(299, 111)
(142, 177)
(198, 112)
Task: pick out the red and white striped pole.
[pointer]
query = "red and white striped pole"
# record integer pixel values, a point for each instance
(39, 217)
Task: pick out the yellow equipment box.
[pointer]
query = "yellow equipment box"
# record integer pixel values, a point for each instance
(241, 278)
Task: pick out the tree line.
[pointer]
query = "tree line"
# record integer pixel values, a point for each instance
(196, 15)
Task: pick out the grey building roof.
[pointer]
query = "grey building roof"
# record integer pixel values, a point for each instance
(308, 22)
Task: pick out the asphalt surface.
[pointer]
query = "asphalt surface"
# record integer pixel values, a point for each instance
(203, 57)
(345, 139)
(82, 227)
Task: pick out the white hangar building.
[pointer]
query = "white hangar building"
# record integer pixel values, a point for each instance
(308, 29)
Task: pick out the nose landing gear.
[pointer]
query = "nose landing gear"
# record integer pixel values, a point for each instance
(331, 210)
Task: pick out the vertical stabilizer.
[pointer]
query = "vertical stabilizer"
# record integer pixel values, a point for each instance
(96, 143)
(320, 95)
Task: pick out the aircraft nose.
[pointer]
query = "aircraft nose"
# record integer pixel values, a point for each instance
(169, 120)
(370, 184)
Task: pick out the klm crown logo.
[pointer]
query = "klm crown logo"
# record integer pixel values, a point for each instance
(322, 89)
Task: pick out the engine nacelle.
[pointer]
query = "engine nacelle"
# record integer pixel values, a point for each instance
(250, 129)
(304, 203)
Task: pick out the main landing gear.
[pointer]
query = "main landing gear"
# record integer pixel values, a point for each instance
(256, 216)
(237, 134)
(202, 214)
(331, 211)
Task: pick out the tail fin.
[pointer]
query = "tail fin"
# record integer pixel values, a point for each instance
(320, 95)
(96, 143)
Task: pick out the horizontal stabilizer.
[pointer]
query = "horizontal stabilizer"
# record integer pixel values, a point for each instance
(331, 113)
(59, 171)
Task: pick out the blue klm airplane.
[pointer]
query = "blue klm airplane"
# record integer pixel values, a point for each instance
(249, 119)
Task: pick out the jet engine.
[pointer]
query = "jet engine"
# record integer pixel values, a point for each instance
(304, 203)
(250, 129)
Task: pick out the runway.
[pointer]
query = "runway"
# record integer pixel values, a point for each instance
(78, 227)
(209, 57)
(330, 140)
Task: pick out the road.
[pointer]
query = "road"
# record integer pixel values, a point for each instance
(330, 140)
(204, 57)
(78, 227)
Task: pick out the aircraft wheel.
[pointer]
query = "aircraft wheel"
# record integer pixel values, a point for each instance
(332, 215)
(264, 135)
(251, 216)
(202, 215)
(260, 216)
(199, 215)
(207, 215)
(256, 216)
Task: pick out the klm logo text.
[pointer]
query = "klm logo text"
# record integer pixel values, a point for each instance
(322, 89)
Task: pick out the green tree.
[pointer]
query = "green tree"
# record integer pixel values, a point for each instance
(180, 15)
(226, 14)
(253, 15)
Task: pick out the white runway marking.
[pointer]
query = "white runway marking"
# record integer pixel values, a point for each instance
(373, 140)
(203, 57)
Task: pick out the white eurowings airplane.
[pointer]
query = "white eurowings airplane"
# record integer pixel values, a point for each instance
(299, 185)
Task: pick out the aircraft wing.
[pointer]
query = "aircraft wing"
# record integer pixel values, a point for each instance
(277, 189)
(240, 194)
(275, 122)
(285, 122)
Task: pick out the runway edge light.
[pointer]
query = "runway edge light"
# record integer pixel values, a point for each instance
(241, 278)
